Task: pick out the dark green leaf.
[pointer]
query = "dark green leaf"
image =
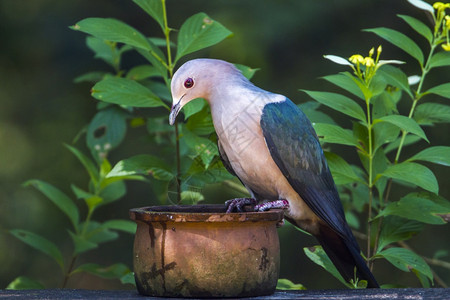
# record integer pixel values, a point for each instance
(201, 123)
(128, 278)
(143, 72)
(90, 77)
(345, 82)
(318, 256)
(340, 103)
(404, 123)
(386, 103)
(416, 207)
(122, 225)
(396, 229)
(98, 233)
(406, 260)
(190, 197)
(88, 164)
(384, 133)
(413, 173)
(39, 243)
(61, 200)
(193, 107)
(400, 40)
(396, 77)
(114, 190)
(113, 30)
(442, 90)
(81, 244)
(438, 155)
(409, 140)
(200, 147)
(104, 50)
(379, 165)
(142, 164)
(286, 284)
(429, 113)
(154, 8)
(127, 92)
(198, 32)
(335, 135)
(314, 115)
(246, 71)
(418, 26)
(24, 283)
(110, 272)
(440, 59)
(342, 172)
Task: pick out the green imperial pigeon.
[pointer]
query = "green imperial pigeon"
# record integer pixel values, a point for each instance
(270, 145)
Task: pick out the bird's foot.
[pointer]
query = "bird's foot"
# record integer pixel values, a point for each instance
(239, 203)
(283, 204)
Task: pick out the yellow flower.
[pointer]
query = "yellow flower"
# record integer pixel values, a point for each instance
(369, 62)
(371, 52)
(446, 47)
(447, 22)
(379, 49)
(356, 59)
(440, 5)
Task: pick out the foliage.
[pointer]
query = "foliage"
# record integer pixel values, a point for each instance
(372, 93)
(85, 234)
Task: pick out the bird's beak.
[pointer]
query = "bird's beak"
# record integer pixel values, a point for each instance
(174, 112)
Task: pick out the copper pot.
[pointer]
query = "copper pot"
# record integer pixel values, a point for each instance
(201, 251)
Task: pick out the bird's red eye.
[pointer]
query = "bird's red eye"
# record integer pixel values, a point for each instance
(188, 83)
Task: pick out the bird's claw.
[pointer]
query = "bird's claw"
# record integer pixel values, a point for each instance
(283, 204)
(239, 203)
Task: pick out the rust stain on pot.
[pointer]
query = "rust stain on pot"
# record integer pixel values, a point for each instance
(151, 233)
(163, 247)
(264, 260)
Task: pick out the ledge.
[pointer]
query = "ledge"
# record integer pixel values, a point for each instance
(435, 293)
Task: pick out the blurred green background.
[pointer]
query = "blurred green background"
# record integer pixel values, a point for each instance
(41, 108)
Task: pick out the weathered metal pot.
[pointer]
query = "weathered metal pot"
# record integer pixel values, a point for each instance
(200, 251)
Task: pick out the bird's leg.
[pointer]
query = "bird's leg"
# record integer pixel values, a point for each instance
(239, 203)
(272, 204)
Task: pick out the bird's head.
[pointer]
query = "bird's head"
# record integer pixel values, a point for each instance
(197, 79)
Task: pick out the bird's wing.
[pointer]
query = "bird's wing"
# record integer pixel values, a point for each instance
(224, 159)
(296, 150)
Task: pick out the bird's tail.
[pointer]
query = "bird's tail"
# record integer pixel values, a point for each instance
(345, 255)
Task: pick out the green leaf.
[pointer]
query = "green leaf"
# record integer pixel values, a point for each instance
(40, 243)
(396, 229)
(201, 123)
(440, 59)
(98, 233)
(335, 135)
(340, 103)
(114, 271)
(345, 82)
(191, 197)
(201, 147)
(413, 173)
(442, 90)
(314, 115)
(142, 164)
(418, 26)
(122, 225)
(91, 77)
(81, 244)
(438, 155)
(417, 207)
(430, 113)
(113, 30)
(404, 123)
(143, 72)
(286, 284)
(193, 107)
(384, 133)
(396, 77)
(114, 190)
(400, 40)
(154, 9)
(24, 283)
(409, 140)
(246, 71)
(198, 32)
(128, 278)
(342, 172)
(318, 256)
(127, 92)
(88, 164)
(406, 260)
(61, 200)
(104, 50)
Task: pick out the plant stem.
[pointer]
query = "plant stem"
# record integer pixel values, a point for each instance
(67, 275)
(370, 183)
(170, 68)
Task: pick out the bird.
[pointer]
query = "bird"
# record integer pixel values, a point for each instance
(270, 145)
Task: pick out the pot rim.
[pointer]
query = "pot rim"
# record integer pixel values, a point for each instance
(201, 213)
